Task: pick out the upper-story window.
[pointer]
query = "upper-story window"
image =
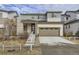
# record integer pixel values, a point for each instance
(53, 15)
(67, 18)
(69, 26)
(32, 17)
(66, 26)
(41, 17)
(0, 15)
(38, 17)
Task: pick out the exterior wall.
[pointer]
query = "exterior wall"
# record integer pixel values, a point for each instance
(51, 25)
(4, 14)
(54, 19)
(74, 27)
(41, 17)
(63, 18)
(32, 17)
(72, 16)
(11, 15)
(77, 16)
(19, 26)
(8, 15)
(29, 28)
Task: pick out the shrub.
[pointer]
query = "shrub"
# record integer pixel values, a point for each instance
(77, 34)
(23, 35)
(12, 37)
(68, 34)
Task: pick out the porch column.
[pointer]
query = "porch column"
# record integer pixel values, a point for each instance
(61, 30)
(35, 28)
(29, 28)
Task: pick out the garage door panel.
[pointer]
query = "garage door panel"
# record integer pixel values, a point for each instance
(49, 32)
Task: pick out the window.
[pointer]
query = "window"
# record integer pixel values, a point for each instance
(32, 17)
(66, 18)
(66, 26)
(69, 26)
(53, 15)
(38, 17)
(41, 17)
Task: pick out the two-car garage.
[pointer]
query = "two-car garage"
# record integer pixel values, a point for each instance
(49, 31)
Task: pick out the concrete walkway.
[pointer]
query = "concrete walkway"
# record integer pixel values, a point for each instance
(54, 40)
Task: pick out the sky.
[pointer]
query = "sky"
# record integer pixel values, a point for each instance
(39, 8)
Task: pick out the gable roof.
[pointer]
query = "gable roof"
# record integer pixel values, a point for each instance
(73, 11)
(41, 13)
(65, 15)
(33, 14)
(72, 21)
(54, 12)
(8, 11)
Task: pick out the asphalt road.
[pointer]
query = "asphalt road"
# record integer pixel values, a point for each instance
(60, 50)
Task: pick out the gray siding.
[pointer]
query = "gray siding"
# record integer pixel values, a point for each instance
(33, 17)
(74, 27)
(54, 17)
(72, 16)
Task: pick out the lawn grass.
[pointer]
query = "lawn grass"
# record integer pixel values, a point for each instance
(23, 51)
(75, 41)
(13, 42)
(15, 45)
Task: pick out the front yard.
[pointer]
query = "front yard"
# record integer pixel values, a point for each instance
(23, 51)
(73, 39)
(12, 42)
(16, 47)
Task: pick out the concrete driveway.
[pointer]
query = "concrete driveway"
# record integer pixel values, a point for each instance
(54, 40)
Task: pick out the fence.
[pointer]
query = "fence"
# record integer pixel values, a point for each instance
(17, 49)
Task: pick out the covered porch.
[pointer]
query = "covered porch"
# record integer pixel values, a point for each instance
(29, 26)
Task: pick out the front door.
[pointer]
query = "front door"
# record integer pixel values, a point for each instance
(33, 28)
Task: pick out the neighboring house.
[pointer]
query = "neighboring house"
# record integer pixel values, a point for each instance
(41, 24)
(5, 17)
(71, 22)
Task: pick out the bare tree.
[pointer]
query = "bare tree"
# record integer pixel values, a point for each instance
(11, 26)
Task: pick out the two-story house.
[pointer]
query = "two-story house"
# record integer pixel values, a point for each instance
(41, 24)
(71, 22)
(5, 17)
